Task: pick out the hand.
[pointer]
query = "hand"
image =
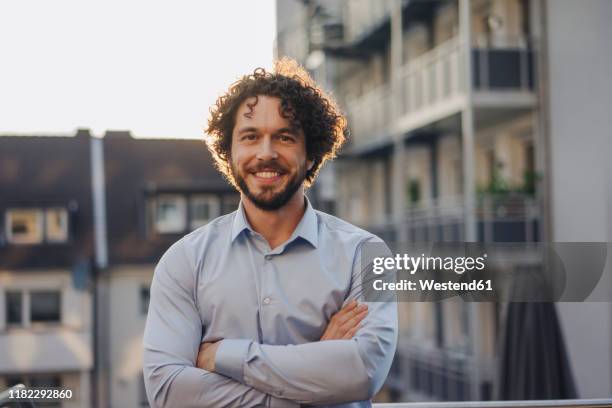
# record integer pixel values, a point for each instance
(344, 324)
(206, 356)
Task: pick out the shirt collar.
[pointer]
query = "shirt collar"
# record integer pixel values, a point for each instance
(307, 228)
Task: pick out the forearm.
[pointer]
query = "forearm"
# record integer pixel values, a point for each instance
(333, 371)
(313, 373)
(184, 386)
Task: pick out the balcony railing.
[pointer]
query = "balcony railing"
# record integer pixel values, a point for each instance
(369, 115)
(423, 373)
(432, 77)
(575, 403)
(500, 63)
(433, 85)
(508, 218)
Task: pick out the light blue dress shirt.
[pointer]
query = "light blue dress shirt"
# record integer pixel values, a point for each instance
(270, 308)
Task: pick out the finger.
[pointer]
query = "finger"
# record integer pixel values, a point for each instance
(354, 312)
(349, 334)
(350, 306)
(354, 321)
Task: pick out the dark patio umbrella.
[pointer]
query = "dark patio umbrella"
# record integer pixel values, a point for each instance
(534, 362)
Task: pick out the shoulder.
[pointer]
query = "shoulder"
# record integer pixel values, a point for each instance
(343, 230)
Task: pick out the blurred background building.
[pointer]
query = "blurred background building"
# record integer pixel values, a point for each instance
(84, 221)
(475, 120)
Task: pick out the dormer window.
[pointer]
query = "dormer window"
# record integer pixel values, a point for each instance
(170, 213)
(178, 213)
(56, 225)
(36, 225)
(24, 226)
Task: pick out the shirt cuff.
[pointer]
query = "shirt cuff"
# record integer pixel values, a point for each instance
(230, 357)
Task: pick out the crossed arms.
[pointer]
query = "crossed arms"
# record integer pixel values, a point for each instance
(248, 374)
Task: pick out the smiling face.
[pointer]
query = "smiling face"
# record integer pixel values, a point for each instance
(268, 156)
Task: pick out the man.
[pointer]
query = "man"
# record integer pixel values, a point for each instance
(261, 307)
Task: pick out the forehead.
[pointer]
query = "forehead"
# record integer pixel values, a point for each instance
(261, 111)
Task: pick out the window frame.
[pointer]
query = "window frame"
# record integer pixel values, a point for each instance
(65, 233)
(166, 227)
(37, 238)
(26, 307)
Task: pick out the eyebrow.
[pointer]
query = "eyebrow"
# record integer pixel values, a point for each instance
(281, 130)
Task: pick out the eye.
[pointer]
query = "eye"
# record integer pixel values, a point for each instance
(286, 138)
(249, 136)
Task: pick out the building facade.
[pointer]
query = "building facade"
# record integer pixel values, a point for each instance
(46, 264)
(84, 221)
(457, 112)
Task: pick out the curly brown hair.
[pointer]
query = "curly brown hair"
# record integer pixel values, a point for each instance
(302, 102)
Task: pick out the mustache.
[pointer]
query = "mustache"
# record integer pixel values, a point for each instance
(271, 165)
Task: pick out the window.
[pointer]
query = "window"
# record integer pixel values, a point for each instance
(202, 208)
(145, 295)
(34, 225)
(25, 307)
(14, 308)
(170, 214)
(24, 226)
(56, 224)
(45, 306)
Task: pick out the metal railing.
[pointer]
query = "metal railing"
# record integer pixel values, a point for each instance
(575, 403)
(370, 114)
(432, 77)
(511, 217)
(434, 82)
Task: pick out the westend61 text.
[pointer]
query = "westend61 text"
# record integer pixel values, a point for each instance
(430, 284)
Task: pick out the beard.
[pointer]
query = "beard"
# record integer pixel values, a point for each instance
(267, 200)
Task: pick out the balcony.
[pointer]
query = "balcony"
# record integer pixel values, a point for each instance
(433, 88)
(369, 116)
(363, 16)
(45, 349)
(511, 218)
(433, 85)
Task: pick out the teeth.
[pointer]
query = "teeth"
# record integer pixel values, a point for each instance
(266, 174)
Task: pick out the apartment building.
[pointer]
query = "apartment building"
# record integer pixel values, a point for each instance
(456, 110)
(155, 191)
(46, 264)
(84, 221)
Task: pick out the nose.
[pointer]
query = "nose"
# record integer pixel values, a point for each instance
(266, 149)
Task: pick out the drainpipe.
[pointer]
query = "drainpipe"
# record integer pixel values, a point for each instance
(469, 189)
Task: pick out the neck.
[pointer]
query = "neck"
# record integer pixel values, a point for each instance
(278, 225)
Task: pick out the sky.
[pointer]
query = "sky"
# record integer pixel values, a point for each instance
(152, 67)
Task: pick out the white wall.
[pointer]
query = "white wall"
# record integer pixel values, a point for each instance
(126, 330)
(580, 94)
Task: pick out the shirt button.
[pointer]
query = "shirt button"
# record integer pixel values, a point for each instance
(268, 257)
(266, 301)
(279, 393)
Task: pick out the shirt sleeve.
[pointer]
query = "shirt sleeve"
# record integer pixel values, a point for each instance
(324, 372)
(171, 342)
